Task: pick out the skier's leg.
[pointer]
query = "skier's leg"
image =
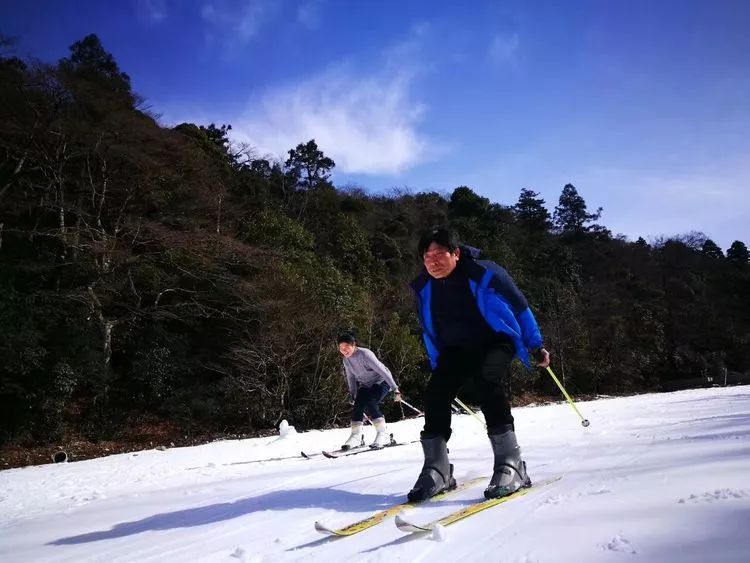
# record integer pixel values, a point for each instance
(437, 472)
(491, 376)
(446, 380)
(377, 394)
(509, 470)
(360, 402)
(358, 409)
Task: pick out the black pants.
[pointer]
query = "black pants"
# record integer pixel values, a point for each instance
(488, 367)
(367, 399)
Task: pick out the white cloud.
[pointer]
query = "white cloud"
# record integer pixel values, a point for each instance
(308, 14)
(242, 20)
(503, 48)
(367, 124)
(153, 11)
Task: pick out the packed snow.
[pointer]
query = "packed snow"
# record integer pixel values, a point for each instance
(661, 477)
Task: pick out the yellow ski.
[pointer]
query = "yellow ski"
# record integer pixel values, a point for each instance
(378, 517)
(409, 527)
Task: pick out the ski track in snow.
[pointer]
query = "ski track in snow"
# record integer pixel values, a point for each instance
(718, 494)
(619, 543)
(660, 477)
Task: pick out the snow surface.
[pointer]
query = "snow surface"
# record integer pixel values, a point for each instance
(663, 477)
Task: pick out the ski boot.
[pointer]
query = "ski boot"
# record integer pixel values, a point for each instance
(509, 472)
(355, 438)
(437, 471)
(382, 439)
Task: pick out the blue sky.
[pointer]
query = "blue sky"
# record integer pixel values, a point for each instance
(643, 105)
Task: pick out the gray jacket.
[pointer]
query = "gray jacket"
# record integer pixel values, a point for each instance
(364, 368)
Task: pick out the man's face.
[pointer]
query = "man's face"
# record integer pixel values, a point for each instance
(346, 349)
(440, 261)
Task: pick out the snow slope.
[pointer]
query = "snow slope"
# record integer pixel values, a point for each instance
(663, 477)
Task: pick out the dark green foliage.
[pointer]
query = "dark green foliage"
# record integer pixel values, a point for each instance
(154, 274)
(308, 165)
(531, 213)
(94, 78)
(465, 203)
(711, 250)
(273, 229)
(737, 253)
(571, 213)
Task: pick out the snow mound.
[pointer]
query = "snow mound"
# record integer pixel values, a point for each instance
(286, 432)
(438, 533)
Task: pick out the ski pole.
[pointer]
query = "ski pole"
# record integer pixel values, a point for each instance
(584, 421)
(471, 412)
(415, 409)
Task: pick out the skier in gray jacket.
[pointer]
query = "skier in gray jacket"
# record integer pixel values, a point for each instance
(369, 382)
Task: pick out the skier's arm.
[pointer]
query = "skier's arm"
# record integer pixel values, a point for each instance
(378, 366)
(503, 284)
(530, 333)
(351, 381)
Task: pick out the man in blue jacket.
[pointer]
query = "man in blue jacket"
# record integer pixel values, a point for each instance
(474, 322)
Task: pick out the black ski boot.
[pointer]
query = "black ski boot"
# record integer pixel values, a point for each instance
(437, 471)
(509, 472)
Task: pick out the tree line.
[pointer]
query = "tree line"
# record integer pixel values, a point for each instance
(152, 273)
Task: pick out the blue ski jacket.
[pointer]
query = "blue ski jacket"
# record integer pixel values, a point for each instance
(500, 303)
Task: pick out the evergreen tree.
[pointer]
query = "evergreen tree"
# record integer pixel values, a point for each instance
(212, 140)
(711, 250)
(308, 165)
(530, 211)
(465, 202)
(737, 253)
(571, 214)
(96, 72)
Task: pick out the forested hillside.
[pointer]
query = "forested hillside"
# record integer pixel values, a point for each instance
(166, 275)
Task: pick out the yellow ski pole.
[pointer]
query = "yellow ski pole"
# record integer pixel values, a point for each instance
(584, 421)
(468, 410)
